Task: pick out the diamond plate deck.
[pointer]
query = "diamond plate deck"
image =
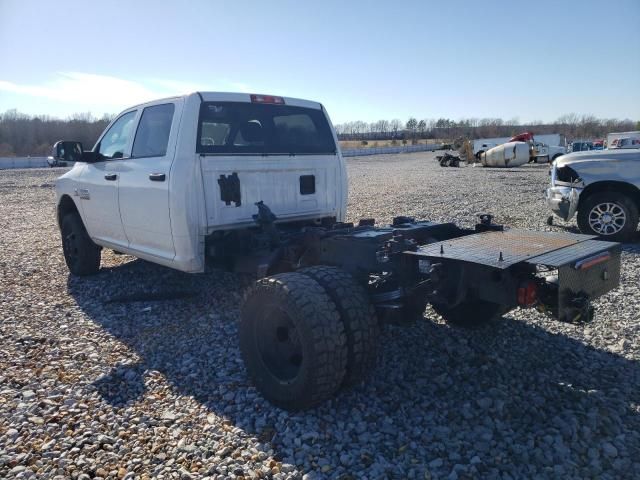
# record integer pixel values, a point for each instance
(501, 249)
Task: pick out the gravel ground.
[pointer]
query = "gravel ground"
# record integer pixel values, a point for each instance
(135, 372)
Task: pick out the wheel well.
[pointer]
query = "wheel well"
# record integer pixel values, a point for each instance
(65, 206)
(619, 187)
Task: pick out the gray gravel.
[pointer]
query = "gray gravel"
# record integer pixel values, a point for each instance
(135, 373)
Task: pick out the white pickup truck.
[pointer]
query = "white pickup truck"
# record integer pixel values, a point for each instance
(167, 174)
(257, 183)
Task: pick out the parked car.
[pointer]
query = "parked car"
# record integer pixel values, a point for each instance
(53, 162)
(580, 146)
(602, 187)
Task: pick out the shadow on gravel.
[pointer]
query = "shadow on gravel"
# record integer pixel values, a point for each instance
(438, 392)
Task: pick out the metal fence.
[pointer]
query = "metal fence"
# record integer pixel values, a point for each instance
(23, 162)
(357, 152)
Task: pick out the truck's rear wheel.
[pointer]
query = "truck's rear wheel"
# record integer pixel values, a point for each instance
(610, 215)
(470, 313)
(80, 253)
(292, 341)
(357, 315)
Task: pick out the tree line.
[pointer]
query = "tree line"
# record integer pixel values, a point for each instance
(571, 125)
(25, 135)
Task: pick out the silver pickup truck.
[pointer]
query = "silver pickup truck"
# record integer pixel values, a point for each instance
(602, 187)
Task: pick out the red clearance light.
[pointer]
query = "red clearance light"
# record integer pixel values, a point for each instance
(592, 261)
(266, 99)
(527, 294)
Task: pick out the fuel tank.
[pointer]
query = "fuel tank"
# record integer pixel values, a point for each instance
(511, 154)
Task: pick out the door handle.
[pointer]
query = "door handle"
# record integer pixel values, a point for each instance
(111, 176)
(157, 177)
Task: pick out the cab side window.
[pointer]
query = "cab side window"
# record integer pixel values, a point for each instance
(153, 132)
(117, 137)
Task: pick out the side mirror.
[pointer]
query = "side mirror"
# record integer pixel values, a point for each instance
(67, 151)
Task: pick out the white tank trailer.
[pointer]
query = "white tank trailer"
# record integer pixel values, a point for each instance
(511, 154)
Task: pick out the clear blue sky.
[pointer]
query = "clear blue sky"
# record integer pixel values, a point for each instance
(363, 60)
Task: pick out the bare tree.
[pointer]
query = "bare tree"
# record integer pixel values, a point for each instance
(412, 127)
(383, 127)
(395, 125)
(422, 128)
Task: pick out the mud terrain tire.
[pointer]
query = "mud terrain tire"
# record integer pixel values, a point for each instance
(292, 341)
(358, 316)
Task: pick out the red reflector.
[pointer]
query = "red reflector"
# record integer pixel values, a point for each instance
(266, 99)
(528, 294)
(591, 261)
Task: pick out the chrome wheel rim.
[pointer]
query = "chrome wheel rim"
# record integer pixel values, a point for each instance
(607, 218)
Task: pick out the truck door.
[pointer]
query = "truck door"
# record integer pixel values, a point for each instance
(98, 186)
(144, 181)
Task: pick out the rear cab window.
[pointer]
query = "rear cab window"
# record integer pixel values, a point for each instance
(252, 128)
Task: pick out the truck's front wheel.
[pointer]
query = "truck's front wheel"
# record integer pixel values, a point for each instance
(610, 215)
(292, 341)
(470, 313)
(80, 253)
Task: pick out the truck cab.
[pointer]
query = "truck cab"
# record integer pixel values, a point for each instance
(167, 176)
(547, 153)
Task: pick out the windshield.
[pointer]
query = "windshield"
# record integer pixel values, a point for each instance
(245, 128)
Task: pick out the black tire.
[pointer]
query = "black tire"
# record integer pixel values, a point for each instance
(622, 210)
(80, 253)
(358, 316)
(292, 341)
(470, 313)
